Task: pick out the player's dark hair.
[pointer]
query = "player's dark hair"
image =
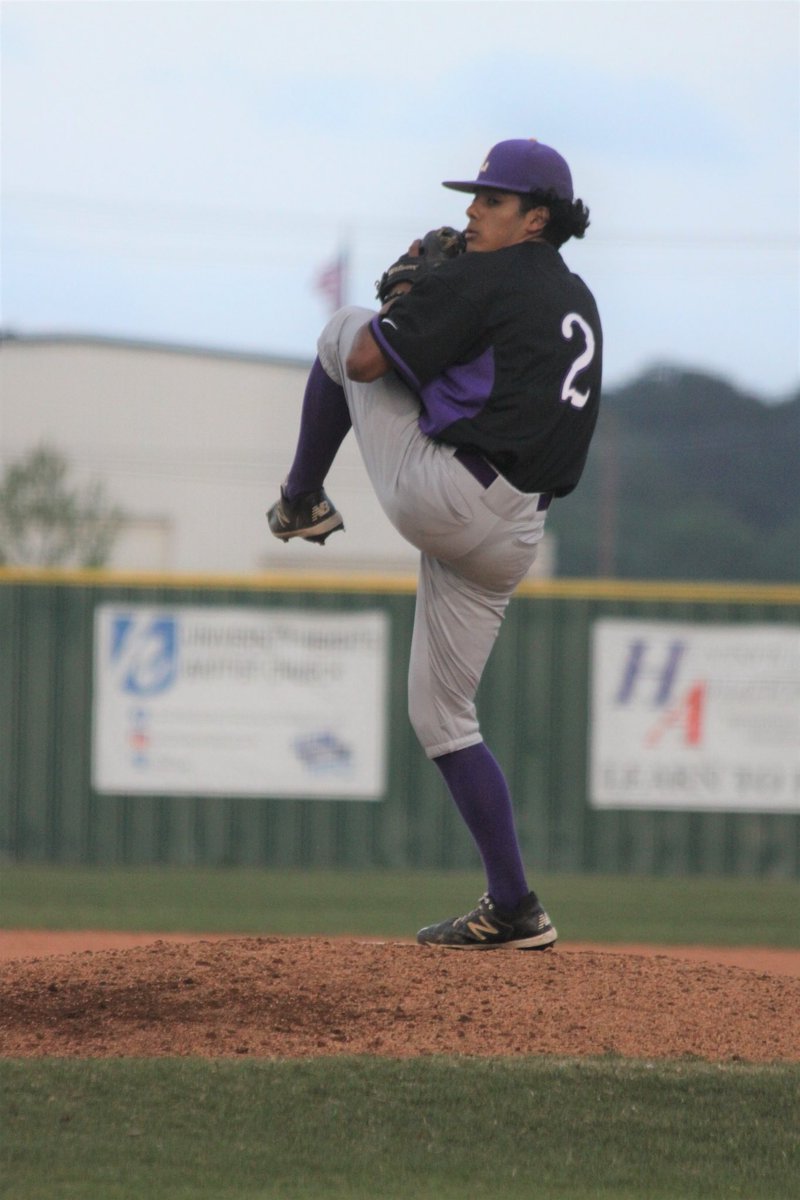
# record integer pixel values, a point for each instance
(568, 218)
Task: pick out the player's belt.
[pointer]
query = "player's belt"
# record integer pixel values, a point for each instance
(482, 470)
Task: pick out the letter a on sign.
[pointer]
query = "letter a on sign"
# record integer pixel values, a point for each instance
(687, 715)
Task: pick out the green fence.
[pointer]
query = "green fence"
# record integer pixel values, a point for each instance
(534, 706)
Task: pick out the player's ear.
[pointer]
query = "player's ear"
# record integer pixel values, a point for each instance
(537, 218)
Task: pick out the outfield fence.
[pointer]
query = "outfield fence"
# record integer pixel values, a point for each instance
(536, 710)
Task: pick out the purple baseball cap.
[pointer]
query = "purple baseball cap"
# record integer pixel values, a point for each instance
(521, 165)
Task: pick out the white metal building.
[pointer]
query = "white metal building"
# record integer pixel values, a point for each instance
(193, 445)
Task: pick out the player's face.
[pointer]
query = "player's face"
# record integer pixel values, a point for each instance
(495, 221)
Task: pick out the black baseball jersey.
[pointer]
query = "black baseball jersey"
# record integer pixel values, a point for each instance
(504, 350)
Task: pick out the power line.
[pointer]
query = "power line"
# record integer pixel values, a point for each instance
(245, 221)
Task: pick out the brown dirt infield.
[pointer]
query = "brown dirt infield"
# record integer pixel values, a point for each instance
(107, 995)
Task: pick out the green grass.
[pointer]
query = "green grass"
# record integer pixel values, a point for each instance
(371, 1129)
(361, 1129)
(391, 903)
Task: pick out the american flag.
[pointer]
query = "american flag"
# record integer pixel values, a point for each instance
(331, 282)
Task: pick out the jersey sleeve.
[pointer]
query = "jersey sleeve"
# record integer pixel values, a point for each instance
(428, 329)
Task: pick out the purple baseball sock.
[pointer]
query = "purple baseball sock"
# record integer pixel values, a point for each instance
(324, 423)
(481, 794)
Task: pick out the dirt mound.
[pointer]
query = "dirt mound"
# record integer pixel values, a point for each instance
(300, 997)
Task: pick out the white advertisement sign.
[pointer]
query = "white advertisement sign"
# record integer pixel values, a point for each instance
(695, 716)
(239, 702)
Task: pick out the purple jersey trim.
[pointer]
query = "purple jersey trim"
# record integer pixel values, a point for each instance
(459, 392)
(394, 358)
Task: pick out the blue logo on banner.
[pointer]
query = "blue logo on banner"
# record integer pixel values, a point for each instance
(323, 751)
(144, 652)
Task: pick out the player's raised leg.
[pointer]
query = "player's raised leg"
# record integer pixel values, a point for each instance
(304, 510)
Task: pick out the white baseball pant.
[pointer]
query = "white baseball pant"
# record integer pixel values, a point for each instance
(476, 543)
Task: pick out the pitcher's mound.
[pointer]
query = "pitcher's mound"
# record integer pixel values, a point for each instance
(300, 997)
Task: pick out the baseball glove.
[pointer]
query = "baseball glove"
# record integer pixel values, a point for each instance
(431, 251)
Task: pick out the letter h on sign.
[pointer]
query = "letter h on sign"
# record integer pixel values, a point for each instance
(664, 674)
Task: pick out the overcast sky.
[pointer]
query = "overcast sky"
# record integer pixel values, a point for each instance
(181, 171)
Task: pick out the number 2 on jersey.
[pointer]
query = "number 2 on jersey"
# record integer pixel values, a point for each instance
(568, 391)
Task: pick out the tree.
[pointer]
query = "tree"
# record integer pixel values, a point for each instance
(46, 521)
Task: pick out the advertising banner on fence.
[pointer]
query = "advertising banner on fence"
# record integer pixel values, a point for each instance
(702, 717)
(239, 702)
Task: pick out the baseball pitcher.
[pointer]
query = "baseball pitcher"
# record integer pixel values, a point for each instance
(473, 394)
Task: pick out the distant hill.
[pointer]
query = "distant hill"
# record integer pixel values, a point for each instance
(688, 478)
